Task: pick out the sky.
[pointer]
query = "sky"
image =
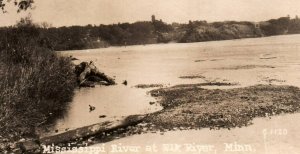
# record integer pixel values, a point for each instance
(95, 12)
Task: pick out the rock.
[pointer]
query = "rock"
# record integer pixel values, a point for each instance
(92, 108)
(22, 140)
(17, 151)
(151, 103)
(89, 140)
(102, 116)
(73, 58)
(125, 82)
(29, 146)
(12, 145)
(2, 146)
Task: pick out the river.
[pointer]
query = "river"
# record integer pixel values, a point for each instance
(269, 60)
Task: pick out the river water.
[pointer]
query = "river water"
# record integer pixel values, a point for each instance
(270, 60)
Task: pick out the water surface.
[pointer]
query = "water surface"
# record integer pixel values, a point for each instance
(270, 60)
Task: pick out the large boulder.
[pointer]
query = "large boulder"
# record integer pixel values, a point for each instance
(88, 75)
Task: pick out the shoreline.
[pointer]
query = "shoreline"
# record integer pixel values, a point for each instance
(170, 43)
(169, 120)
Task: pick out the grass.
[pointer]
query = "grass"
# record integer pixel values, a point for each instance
(36, 84)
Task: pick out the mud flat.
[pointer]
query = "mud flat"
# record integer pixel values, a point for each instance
(143, 86)
(191, 106)
(246, 67)
(192, 77)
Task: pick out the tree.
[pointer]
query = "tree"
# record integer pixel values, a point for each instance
(21, 4)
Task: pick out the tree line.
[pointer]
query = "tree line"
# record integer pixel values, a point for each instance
(150, 32)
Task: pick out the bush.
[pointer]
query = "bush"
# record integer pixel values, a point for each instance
(36, 83)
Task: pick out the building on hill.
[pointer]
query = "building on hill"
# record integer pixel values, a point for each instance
(153, 18)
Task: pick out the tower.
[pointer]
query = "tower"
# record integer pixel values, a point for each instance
(153, 18)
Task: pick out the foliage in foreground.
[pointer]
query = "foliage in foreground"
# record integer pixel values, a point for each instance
(36, 84)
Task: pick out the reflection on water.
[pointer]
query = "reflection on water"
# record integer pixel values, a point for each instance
(111, 103)
(274, 60)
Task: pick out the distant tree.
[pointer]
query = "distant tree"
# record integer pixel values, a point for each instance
(141, 32)
(276, 26)
(160, 26)
(294, 26)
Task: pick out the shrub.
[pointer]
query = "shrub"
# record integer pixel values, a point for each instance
(36, 83)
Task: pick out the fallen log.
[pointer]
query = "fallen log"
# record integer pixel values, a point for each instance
(91, 130)
(88, 75)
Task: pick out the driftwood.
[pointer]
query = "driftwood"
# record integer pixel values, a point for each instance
(92, 130)
(88, 75)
